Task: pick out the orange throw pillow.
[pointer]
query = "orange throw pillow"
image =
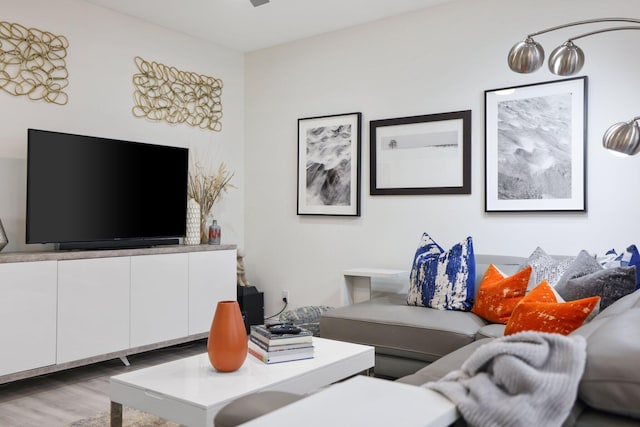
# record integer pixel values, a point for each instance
(498, 294)
(539, 311)
(542, 293)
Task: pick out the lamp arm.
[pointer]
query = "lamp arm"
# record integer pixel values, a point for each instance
(604, 30)
(588, 21)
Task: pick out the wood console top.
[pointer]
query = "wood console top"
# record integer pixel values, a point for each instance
(81, 254)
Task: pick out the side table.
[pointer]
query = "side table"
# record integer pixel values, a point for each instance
(358, 281)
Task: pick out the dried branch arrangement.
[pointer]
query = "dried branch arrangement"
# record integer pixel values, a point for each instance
(207, 189)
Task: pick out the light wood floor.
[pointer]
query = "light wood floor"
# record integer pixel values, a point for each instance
(60, 398)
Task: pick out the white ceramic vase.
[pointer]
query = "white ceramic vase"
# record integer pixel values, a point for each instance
(193, 223)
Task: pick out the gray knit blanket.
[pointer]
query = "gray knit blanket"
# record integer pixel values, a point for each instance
(525, 379)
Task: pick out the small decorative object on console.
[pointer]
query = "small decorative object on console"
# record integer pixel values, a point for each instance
(215, 233)
(3, 237)
(193, 223)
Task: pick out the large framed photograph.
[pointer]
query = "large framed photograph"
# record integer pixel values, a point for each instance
(329, 165)
(429, 154)
(535, 147)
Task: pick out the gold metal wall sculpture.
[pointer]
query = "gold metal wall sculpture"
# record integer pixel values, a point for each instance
(166, 93)
(32, 63)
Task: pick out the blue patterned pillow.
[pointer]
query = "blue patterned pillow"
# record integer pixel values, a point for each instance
(631, 256)
(441, 279)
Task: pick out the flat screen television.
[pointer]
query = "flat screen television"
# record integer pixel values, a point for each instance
(87, 192)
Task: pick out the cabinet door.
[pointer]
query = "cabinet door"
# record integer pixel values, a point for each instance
(27, 315)
(159, 298)
(93, 307)
(212, 278)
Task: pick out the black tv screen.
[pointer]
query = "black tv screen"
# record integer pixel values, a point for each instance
(86, 192)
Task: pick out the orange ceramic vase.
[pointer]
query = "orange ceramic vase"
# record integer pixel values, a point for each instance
(227, 344)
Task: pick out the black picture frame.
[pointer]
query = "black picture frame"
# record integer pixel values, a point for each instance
(329, 151)
(426, 154)
(535, 147)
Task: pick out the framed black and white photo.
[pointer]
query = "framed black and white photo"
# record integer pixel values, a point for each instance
(329, 165)
(535, 147)
(429, 154)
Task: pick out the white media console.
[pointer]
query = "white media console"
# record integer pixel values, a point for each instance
(63, 309)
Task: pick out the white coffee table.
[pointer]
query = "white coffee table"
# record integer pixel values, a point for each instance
(190, 391)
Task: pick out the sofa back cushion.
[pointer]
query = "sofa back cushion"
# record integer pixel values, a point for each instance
(508, 265)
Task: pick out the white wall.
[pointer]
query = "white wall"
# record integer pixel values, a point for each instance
(101, 65)
(437, 60)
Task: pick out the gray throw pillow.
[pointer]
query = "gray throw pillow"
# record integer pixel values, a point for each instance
(610, 284)
(582, 265)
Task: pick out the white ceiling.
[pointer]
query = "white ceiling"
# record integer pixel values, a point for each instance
(237, 25)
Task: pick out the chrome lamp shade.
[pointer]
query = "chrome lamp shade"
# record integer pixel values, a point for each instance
(566, 60)
(623, 137)
(526, 56)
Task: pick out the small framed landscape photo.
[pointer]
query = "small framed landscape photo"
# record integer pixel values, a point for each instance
(329, 165)
(429, 154)
(535, 156)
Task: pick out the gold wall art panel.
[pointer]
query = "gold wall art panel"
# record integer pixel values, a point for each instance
(175, 96)
(32, 63)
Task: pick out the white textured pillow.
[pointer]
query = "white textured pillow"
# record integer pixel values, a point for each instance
(545, 267)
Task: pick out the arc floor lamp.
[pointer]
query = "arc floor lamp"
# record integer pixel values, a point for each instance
(567, 59)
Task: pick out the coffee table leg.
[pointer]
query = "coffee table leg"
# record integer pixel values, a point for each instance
(116, 414)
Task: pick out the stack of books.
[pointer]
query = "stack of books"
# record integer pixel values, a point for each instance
(275, 348)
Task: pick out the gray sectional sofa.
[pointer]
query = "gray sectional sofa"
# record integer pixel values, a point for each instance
(416, 345)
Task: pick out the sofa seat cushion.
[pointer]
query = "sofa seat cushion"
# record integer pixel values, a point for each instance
(393, 327)
(611, 380)
(493, 330)
(444, 365)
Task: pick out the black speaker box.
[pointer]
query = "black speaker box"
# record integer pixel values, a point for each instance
(251, 304)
